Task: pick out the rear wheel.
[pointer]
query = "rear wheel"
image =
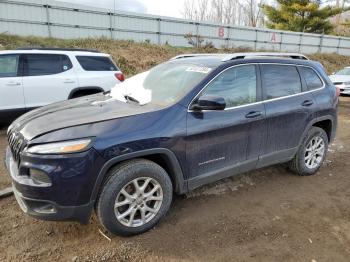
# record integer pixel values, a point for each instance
(137, 194)
(311, 152)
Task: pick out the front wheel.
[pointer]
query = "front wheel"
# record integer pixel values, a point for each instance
(311, 153)
(135, 197)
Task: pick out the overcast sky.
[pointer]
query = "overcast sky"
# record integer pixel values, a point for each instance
(155, 7)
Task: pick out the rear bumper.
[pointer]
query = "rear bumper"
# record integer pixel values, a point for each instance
(67, 198)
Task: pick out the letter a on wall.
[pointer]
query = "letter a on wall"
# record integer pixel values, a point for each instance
(273, 37)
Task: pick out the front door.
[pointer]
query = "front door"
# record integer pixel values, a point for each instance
(221, 143)
(11, 88)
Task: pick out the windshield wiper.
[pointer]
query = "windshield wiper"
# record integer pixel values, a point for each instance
(132, 99)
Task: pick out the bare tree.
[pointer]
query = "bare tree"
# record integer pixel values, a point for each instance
(196, 10)
(202, 10)
(253, 12)
(234, 12)
(217, 11)
(189, 10)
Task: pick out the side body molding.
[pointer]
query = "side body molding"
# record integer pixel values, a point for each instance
(176, 174)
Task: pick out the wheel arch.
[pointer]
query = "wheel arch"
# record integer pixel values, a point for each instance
(327, 123)
(84, 88)
(161, 156)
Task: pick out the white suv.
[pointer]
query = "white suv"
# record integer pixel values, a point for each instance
(30, 78)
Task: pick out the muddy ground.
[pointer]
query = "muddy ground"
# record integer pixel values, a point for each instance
(266, 215)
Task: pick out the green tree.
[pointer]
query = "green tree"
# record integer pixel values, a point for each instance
(301, 16)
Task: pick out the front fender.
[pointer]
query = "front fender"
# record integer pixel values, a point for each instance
(176, 173)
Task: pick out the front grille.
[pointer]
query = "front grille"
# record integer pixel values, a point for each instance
(16, 143)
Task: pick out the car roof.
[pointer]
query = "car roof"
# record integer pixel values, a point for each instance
(215, 60)
(53, 51)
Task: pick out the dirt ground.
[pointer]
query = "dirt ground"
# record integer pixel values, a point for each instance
(266, 215)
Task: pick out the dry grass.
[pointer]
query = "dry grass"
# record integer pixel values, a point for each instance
(135, 57)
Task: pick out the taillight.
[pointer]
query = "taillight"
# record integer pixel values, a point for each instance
(337, 90)
(119, 76)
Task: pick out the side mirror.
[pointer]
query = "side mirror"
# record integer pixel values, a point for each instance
(209, 102)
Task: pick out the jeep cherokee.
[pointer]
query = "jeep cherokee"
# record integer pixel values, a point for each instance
(187, 122)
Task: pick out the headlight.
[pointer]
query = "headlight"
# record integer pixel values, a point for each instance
(60, 147)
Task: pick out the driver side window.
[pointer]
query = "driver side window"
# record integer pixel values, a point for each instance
(236, 85)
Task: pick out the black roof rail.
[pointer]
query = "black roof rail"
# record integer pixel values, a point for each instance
(59, 49)
(264, 54)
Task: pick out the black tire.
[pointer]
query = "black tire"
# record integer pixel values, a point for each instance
(119, 177)
(297, 164)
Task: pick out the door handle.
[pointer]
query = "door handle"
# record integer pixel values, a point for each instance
(307, 103)
(68, 81)
(13, 84)
(253, 114)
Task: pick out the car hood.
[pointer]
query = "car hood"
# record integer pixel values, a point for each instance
(75, 112)
(339, 78)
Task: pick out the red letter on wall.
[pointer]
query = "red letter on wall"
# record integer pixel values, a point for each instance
(221, 32)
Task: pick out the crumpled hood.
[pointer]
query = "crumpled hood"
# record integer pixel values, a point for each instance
(339, 78)
(75, 112)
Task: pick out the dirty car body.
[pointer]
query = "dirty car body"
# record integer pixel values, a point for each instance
(193, 146)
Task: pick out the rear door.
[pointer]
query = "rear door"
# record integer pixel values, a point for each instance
(289, 109)
(219, 141)
(47, 78)
(97, 71)
(11, 88)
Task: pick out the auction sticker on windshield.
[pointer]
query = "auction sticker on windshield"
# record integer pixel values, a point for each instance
(198, 69)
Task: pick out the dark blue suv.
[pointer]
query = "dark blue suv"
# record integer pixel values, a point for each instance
(187, 122)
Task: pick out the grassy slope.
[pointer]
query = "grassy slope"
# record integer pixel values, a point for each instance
(135, 57)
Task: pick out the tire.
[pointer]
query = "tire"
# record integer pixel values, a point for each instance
(301, 164)
(124, 177)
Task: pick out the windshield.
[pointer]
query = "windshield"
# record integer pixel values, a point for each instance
(344, 71)
(162, 85)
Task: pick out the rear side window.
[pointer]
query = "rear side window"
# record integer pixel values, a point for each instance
(312, 80)
(9, 65)
(236, 85)
(96, 63)
(45, 64)
(280, 80)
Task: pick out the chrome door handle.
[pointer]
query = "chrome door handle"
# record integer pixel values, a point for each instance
(13, 84)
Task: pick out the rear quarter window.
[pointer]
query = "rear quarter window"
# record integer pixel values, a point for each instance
(311, 78)
(96, 63)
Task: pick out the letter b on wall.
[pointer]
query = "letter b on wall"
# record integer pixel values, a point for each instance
(221, 32)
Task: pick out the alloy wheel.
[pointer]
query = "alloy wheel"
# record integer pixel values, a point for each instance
(138, 202)
(314, 152)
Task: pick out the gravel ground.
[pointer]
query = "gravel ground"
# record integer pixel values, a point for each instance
(266, 215)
